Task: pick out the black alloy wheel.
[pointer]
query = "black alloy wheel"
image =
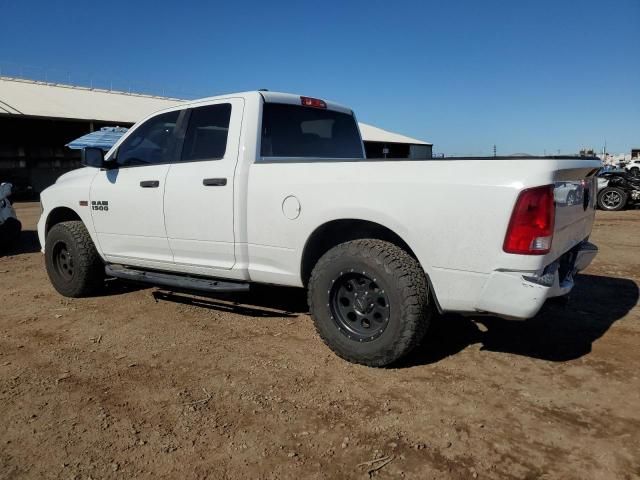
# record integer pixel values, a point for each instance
(63, 261)
(359, 306)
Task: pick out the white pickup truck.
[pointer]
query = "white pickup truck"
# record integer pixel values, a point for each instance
(267, 187)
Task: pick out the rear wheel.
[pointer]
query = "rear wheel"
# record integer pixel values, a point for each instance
(369, 301)
(612, 198)
(72, 262)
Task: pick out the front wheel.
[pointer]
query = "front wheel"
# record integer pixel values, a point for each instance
(612, 198)
(72, 262)
(369, 301)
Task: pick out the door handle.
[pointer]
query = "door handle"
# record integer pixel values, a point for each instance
(214, 182)
(150, 183)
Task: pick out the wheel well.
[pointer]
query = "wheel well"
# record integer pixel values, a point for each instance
(336, 232)
(60, 214)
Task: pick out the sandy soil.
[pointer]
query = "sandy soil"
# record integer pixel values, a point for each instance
(140, 384)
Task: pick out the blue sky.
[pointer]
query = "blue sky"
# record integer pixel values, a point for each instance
(528, 76)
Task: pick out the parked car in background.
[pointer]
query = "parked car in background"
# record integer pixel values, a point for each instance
(633, 167)
(265, 187)
(603, 175)
(617, 189)
(10, 226)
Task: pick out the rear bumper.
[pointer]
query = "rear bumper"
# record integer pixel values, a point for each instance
(521, 294)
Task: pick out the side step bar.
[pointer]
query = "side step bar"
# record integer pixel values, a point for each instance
(178, 282)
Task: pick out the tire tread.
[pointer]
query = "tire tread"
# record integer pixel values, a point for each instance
(406, 272)
(88, 262)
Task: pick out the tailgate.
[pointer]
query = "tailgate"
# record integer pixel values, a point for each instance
(575, 197)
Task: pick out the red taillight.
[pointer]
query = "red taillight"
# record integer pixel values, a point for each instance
(530, 230)
(313, 102)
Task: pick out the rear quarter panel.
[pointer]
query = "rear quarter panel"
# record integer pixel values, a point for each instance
(452, 213)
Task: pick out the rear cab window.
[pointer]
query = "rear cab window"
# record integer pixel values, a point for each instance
(294, 131)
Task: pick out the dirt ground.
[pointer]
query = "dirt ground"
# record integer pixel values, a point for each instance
(141, 384)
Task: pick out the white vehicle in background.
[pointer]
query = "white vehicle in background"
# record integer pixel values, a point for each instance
(216, 194)
(10, 226)
(633, 167)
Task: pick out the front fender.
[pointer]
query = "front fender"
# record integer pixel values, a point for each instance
(70, 192)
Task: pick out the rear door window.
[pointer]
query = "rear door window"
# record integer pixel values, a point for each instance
(207, 132)
(306, 132)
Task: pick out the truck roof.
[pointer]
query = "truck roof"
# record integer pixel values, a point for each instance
(270, 97)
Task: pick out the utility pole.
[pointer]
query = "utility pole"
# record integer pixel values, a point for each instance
(494, 150)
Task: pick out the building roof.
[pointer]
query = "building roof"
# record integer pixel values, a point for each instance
(42, 99)
(375, 134)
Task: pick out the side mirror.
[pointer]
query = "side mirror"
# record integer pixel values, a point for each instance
(92, 157)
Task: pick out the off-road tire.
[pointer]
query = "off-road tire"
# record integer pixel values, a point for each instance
(602, 202)
(87, 273)
(404, 283)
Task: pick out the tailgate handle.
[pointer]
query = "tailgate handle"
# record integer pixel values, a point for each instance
(150, 183)
(214, 182)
